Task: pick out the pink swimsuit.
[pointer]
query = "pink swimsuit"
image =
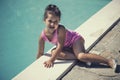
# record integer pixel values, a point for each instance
(71, 37)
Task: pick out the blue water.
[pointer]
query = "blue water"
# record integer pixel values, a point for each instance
(21, 23)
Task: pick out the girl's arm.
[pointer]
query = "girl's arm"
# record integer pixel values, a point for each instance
(61, 38)
(40, 47)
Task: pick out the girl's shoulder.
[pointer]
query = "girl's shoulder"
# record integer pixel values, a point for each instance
(61, 30)
(61, 27)
(42, 35)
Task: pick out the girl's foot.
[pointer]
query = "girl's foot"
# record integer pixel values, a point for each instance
(112, 63)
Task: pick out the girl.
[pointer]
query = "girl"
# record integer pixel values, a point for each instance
(69, 44)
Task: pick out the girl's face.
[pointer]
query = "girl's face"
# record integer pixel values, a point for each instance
(51, 22)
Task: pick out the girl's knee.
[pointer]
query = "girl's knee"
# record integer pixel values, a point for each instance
(80, 56)
(66, 55)
(61, 56)
(53, 50)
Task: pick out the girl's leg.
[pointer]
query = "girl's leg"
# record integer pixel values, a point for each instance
(65, 54)
(78, 48)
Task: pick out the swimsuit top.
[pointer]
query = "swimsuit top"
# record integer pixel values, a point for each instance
(71, 37)
(54, 39)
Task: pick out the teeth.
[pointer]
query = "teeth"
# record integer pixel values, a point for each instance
(51, 27)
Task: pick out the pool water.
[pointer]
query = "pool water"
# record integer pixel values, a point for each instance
(21, 22)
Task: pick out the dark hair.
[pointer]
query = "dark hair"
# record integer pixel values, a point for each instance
(52, 9)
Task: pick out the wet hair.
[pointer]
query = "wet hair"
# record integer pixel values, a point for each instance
(52, 9)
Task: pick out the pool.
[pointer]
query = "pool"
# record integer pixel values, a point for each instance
(21, 24)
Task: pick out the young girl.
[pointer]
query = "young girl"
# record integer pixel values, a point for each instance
(69, 44)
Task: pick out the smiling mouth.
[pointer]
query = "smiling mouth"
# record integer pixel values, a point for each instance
(51, 27)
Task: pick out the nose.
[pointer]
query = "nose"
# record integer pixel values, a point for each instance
(52, 24)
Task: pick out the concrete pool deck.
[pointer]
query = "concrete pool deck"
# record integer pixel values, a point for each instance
(108, 47)
(92, 29)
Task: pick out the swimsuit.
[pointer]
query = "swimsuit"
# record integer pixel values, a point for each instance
(70, 38)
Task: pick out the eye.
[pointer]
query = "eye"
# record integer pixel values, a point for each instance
(55, 22)
(50, 21)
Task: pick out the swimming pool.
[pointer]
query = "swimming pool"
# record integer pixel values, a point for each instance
(21, 24)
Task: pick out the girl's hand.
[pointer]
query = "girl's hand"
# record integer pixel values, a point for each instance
(48, 63)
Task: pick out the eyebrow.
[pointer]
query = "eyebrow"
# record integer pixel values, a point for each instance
(52, 20)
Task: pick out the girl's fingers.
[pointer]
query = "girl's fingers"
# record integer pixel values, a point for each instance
(48, 65)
